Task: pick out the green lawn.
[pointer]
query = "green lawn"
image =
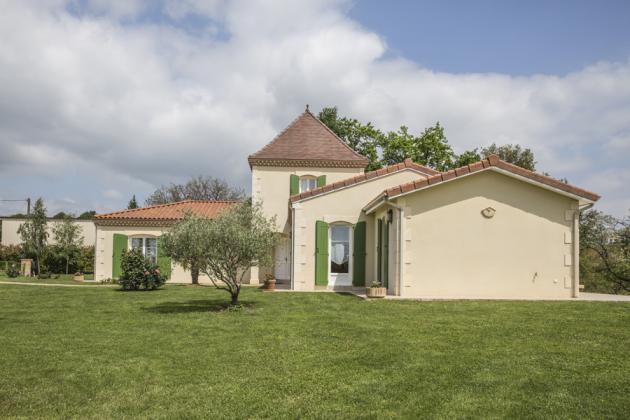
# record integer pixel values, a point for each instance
(60, 279)
(174, 353)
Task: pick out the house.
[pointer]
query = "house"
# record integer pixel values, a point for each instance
(10, 226)
(486, 230)
(140, 229)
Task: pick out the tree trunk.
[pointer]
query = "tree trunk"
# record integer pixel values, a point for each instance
(194, 273)
(67, 262)
(234, 299)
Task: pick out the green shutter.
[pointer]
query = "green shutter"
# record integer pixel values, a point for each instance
(164, 263)
(358, 266)
(321, 181)
(385, 254)
(379, 251)
(120, 245)
(321, 253)
(294, 186)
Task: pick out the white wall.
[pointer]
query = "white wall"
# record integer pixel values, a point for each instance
(10, 234)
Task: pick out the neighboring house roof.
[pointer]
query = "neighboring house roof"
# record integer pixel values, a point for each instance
(165, 213)
(407, 164)
(491, 163)
(307, 142)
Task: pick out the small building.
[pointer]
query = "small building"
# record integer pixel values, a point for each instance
(140, 229)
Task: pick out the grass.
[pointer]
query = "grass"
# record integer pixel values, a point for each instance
(61, 279)
(174, 353)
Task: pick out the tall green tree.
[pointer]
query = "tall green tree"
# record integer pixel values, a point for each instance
(67, 235)
(512, 153)
(430, 148)
(183, 243)
(34, 234)
(608, 240)
(364, 139)
(466, 158)
(133, 204)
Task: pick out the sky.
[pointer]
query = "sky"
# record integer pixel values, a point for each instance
(100, 100)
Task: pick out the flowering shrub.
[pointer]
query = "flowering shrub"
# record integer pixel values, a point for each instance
(137, 272)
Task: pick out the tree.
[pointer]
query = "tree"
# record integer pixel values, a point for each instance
(466, 158)
(33, 232)
(133, 204)
(512, 153)
(232, 243)
(430, 148)
(68, 236)
(87, 214)
(198, 188)
(183, 244)
(609, 239)
(362, 138)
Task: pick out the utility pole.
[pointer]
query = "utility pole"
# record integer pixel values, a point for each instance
(28, 204)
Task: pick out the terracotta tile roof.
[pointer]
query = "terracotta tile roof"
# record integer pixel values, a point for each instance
(169, 212)
(307, 142)
(492, 161)
(407, 164)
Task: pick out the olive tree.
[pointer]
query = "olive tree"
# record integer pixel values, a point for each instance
(239, 238)
(183, 243)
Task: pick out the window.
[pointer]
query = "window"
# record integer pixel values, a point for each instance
(307, 183)
(339, 249)
(148, 247)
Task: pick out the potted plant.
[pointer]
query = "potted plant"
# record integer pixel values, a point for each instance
(78, 276)
(270, 282)
(376, 290)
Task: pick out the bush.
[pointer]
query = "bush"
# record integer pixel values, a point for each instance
(11, 253)
(13, 270)
(137, 272)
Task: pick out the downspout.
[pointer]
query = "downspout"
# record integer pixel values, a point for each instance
(292, 247)
(576, 249)
(401, 255)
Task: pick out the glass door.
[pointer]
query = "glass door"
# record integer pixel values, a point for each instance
(340, 251)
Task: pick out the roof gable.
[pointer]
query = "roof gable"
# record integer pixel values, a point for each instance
(407, 164)
(491, 163)
(307, 142)
(170, 212)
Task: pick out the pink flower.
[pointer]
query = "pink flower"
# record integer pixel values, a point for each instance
(146, 273)
(157, 271)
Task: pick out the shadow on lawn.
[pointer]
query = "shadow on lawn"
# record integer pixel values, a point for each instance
(197, 305)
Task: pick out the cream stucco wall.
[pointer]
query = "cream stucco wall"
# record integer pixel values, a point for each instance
(344, 205)
(105, 247)
(451, 250)
(10, 234)
(270, 185)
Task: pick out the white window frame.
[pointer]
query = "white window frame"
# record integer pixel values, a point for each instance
(307, 178)
(143, 247)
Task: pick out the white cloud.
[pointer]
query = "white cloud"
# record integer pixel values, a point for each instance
(138, 103)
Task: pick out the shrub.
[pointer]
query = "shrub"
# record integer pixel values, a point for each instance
(11, 253)
(43, 275)
(13, 270)
(137, 272)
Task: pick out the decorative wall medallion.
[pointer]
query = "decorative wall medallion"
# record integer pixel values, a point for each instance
(488, 212)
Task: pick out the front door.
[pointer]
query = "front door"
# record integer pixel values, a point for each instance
(340, 250)
(282, 258)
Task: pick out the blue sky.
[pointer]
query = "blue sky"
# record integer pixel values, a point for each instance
(512, 37)
(100, 100)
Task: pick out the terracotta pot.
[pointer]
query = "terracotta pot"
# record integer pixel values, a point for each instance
(270, 284)
(376, 292)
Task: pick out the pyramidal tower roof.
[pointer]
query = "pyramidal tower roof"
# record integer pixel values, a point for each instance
(307, 142)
